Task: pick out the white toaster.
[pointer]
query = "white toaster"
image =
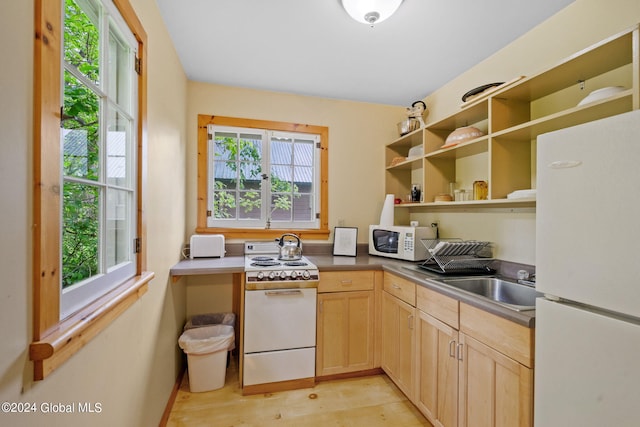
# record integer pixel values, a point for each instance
(206, 246)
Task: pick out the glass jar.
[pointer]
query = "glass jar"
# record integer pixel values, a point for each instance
(480, 190)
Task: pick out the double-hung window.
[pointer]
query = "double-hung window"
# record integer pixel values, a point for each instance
(263, 178)
(99, 159)
(256, 177)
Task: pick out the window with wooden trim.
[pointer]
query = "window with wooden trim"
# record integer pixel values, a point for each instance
(89, 118)
(98, 158)
(261, 177)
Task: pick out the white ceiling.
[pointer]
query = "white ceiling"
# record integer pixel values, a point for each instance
(312, 47)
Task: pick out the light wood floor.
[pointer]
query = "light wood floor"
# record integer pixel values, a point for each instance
(368, 401)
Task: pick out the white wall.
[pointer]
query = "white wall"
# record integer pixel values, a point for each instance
(130, 367)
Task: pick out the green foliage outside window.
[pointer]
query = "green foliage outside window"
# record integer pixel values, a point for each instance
(246, 168)
(81, 200)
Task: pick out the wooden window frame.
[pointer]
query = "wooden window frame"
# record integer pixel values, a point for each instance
(55, 340)
(322, 232)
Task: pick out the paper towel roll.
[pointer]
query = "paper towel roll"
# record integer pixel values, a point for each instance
(386, 217)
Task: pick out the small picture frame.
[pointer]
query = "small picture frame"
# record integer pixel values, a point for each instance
(345, 240)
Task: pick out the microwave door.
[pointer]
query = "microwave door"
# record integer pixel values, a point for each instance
(386, 241)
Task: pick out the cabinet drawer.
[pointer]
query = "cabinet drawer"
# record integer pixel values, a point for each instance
(509, 338)
(400, 288)
(341, 281)
(440, 306)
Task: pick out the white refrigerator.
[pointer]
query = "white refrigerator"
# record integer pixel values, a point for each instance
(587, 362)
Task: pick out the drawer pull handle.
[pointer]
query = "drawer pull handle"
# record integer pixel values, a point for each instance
(346, 282)
(452, 348)
(394, 286)
(286, 292)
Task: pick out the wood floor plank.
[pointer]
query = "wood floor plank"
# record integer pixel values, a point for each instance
(356, 402)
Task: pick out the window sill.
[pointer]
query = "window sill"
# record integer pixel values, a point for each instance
(248, 233)
(73, 333)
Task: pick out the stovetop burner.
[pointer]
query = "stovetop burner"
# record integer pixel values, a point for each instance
(265, 263)
(262, 258)
(295, 263)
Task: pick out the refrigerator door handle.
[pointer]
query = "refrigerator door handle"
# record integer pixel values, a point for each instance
(564, 164)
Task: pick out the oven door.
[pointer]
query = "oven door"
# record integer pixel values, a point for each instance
(279, 319)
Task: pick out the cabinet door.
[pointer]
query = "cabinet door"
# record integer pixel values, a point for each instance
(390, 338)
(495, 391)
(437, 371)
(398, 342)
(345, 332)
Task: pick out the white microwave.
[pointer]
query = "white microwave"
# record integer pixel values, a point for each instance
(400, 241)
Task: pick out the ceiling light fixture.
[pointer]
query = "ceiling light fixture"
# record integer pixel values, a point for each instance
(371, 11)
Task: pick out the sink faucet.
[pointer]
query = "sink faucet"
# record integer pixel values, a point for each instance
(526, 278)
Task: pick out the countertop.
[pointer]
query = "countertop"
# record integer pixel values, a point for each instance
(408, 270)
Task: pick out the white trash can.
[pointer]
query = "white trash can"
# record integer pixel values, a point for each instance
(206, 350)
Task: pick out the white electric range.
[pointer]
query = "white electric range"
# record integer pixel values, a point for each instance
(279, 345)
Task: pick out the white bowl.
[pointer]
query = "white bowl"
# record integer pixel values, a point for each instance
(599, 94)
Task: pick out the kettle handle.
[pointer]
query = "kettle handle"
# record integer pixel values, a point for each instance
(288, 234)
(420, 102)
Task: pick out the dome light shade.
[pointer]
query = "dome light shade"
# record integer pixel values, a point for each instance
(371, 11)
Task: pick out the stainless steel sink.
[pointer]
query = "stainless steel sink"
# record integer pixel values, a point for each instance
(508, 294)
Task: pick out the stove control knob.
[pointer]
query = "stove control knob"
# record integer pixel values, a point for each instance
(272, 275)
(283, 275)
(306, 275)
(260, 275)
(294, 274)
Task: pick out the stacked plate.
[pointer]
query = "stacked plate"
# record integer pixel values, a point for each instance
(522, 194)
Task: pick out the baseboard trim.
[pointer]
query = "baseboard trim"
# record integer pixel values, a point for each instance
(365, 373)
(172, 398)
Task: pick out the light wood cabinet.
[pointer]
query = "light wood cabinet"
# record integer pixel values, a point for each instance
(512, 116)
(473, 368)
(398, 341)
(495, 390)
(496, 376)
(346, 322)
(436, 392)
